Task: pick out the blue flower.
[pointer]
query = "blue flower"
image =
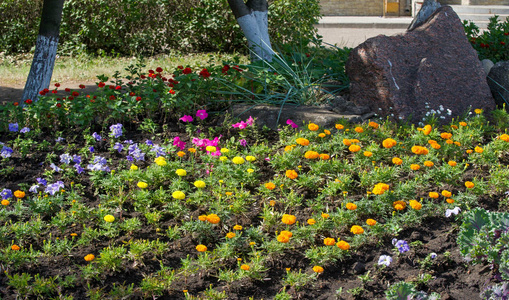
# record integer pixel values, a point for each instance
(79, 169)
(65, 158)
(13, 127)
(96, 136)
(116, 130)
(59, 139)
(33, 188)
(42, 181)
(401, 245)
(384, 260)
(91, 149)
(118, 146)
(55, 167)
(158, 150)
(76, 159)
(6, 194)
(149, 143)
(25, 130)
(54, 187)
(129, 158)
(6, 152)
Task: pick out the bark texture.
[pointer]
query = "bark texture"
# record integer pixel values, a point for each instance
(43, 62)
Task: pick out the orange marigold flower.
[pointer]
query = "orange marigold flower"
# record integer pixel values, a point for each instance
(436, 146)
(302, 141)
(373, 125)
(446, 135)
(191, 150)
(452, 163)
(420, 150)
(351, 206)
(270, 185)
(202, 218)
(427, 129)
(289, 148)
(329, 241)
(446, 193)
(397, 161)
(15, 247)
(449, 142)
(311, 221)
(433, 195)
(201, 248)
(359, 129)
(89, 257)
(478, 111)
(415, 204)
(230, 235)
(356, 229)
(288, 219)
(318, 269)
(354, 148)
(370, 222)
(399, 205)
(213, 218)
(469, 151)
(469, 184)
(449, 200)
(380, 188)
(245, 267)
(347, 142)
(454, 127)
(313, 127)
(389, 143)
(457, 143)
(429, 163)
(327, 132)
(311, 154)
(19, 194)
(324, 156)
(339, 126)
(415, 167)
(5, 202)
(343, 245)
(237, 227)
(504, 137)
(463, 124)
(368, 153)
(325, 215)
(322, 135)
(476, 149)
(272, 202)
(181, 153)
(431, 142)
(291, 174)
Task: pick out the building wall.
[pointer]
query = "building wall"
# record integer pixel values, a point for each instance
(375, 7)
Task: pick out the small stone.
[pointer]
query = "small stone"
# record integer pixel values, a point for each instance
(359, 268)
(498, 81)
(487, 64)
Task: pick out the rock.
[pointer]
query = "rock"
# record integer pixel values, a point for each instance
(487, 64)
(268, 115)
(498, 80)
(427, 9)
(359, 268)
(432, 67)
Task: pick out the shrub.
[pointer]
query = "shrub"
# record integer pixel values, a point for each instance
(492, 43)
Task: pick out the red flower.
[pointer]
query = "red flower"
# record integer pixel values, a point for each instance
(95, 97)
(101, 84)
(92, 101)
(57, 84)
(170, 84)
(42, 93)
(54, 91)
(237, 68)
(67, 89)
(28, 101)
(171, 91)
(506, 33)
(59, 105)
(159, 69)
(82, 86)
(46, 90)
(143, 76)
(118, 87)
(70, 98)
(154, 90)
(112, 97)
(111, 87)
(75, 94)
(307, 55)
(180, 67)
(225, 69)
(502, 43)
(138, 98)
(16, 103)
(187, 71)
(132, 94)
(151, 71)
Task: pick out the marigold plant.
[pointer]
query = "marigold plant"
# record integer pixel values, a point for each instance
(389, 143)
(311, 221)
(238, 160)
(245, 267)
(109, 218)
(291, 174)
(427, 129)
(329, 241)
(446, 135)
(318, 269)
(181, 172)
(179, 195)
(399, 205)
(415, 204)
(452, 163)
(230, 235)
(420, 150)
(380, 188)
(354, 148)
(15, 247)
(89, 257)
(368, 153)
(288, 219)
(161, 161)
(504, 137)
(302, 141)
(415, 167)
(356, 229)
(397, 161)
(374, 125)
(340, 126)
(324, 156)
(142, 185)
(313, 127)
(311, 155)
(270, 186)
(359, 129)
(351, 206)
(19, 194)
(213, 218)
(5, 202)
(199, 184)
(343, 245)
(370, 222)
(428, 163)
(446, 193)
(469, 184)
(201, 248)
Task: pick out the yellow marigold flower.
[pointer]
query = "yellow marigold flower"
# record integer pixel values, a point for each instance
(200, 184)
(356, 229)
(354, 148)
(134, 167)
(181, 172)
(230, 235)
(463, 124)
(415, 167)
(311, 154)
(389, 143)
(415, 204)
(288, 219)
(313, 127)
(343, 245)
(327, 132)
(429, 163)
(478, 111)
(433, 195)
(202, 218)
(380, 188)
(89, 257)
(74, 234)
(142, 185)
(324, 156)
(211, 149)
(420, 150)
(302, 141)
(291, 174)
(272, 203)
(427, 129)
(397, 161)
(311, 221)
(339, 126)
(368, 153)
(347, 142)
(452, 163)
(469, 151)
(223, 158)
(181, 153)
(446, 193)
(322, 135)
(252, 243)
(160, 161)
(351, 206)
(286, 233)
(250, 170)
(5, 202)
(325, 215)
(288, 148)
(454, 127)
(201, 248)
(449, 142)
(109, 218)
(504, 137)
(446, 135)
(213, 218)
(469, 184)
(318, 269)
(237, 227)
(371, 222)
(245, 267)
(359, 129)
(373, 125)
(399, 205)
(457, 143)
(478, 149)
(238, 160)
(191, 150)
(329, 241)
(436, 146)
(449, 200)
(178, 195)
(224, 150)
(283, 238)
(19, 194)
(354, 141)
(250, 158)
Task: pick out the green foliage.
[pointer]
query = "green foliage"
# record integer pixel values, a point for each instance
(92, 26)
(493, 43)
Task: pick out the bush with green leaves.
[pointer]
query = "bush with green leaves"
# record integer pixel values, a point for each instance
(92, 26)
(492, 43)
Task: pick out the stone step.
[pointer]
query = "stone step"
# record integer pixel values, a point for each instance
(476, 17)
(481, 9)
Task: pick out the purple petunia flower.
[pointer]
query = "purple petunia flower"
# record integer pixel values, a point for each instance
(384, 260)
(401, 245)
(96, 136)
(202, 114)
(250, 121)
(118, 146)
(158, 150)
(42, 181)
(243, 142)
(59, 139)
(186, 118)
(24, 130)
(240, 125)
(6, 152)
(33, 188)
(138, 155)
(55, 167)
(76, 159)
(6, 194)
(99, 164)
(129, 158)
(65, 158)
(13, 127)
(79, 169)
(128, 142)
(116, 130)
(149, 143)
(91, 149)
(54, 187)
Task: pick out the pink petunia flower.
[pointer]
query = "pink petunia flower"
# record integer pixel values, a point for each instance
(202, 114)
(291, 123)
(186, 118)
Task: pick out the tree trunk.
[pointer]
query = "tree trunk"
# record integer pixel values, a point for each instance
(41, 70)
(253, 20)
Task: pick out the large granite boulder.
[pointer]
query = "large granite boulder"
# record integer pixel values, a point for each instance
(498, 80)
(430, 68)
